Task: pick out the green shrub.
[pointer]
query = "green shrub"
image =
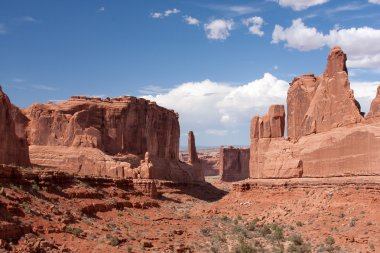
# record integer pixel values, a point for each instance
(329, 240)
(74, 231)
(251, 226)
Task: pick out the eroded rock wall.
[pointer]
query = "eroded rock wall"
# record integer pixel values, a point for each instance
(13, 148)
(124, 125)
(234, 163)
(327, 134)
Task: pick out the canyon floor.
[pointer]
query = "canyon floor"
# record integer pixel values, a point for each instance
(340, 216)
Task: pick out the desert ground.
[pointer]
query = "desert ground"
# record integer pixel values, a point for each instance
(272, 216)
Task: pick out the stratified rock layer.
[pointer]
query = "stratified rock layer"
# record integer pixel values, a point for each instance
(121, 137)
(126, 125)
(327, 134)
(234, 163)
(13, 149)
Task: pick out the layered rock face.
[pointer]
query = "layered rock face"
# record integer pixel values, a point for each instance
(119, 125)
(121, 137)
(234, 163)
(13, 148)
(327, 134)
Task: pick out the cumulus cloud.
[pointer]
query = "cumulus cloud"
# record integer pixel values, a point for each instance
(166, 13)
(254, 25)
(361, 44)
(364, 92)
(219, 29)
(374, 1)
(298, 36)
(299, 5)
(219, 109)
(191, 21)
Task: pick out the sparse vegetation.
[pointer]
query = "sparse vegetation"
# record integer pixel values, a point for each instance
(74, 231)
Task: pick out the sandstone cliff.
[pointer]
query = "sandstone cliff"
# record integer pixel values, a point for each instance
(122, 137)
(327, 133)
(119, 125)
(234, 163)
(13, 149)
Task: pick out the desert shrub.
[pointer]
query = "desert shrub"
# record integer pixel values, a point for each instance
(265, 230)
(277, 233)
(244, 247)
(35, 186)
(113, 240)
(353, 221)
(74, 231)
(205, 232)
(329, 240)
(297, 244)
(299, 223)
(251, 226)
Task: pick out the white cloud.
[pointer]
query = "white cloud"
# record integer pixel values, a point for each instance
(218, 108)
(374, 1)
(29, 19)
(364, 92)
(218, 132)
(232, 9)
(298, 36)
(191, 21)
(219, 29)
(299, 5)
(170, 12)
(102, 8)
(3, 29)
(156, 15)
(166, 13)
(361, 44)
(254, 25)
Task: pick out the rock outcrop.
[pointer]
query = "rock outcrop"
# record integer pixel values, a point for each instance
(193, 156)
(123, 137)
(320, 103)
(327, 134)
(13, 149)
(119, 125)
(234, 163)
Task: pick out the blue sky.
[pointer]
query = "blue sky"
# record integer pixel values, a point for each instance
(215, 62)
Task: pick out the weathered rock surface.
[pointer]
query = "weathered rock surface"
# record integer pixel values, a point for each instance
(234, 163)
(327, 134)
(121, 137)
(125, 125)
(193, 156)
(320, 103)
(13, 149)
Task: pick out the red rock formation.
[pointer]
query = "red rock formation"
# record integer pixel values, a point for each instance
(318, 104)
(327, 135)
(193, 156)
(91, 136)
(13, 149)
(234, 163)
(120, 125)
